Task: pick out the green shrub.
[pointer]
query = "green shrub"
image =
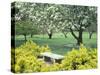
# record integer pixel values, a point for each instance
(83, 58)
(34, 48)
(24, 59)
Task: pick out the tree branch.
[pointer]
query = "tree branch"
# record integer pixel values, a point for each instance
(76, 27)
(73, 34)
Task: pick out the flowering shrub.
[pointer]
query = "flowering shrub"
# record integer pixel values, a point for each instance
(24, 59)
(83, 58)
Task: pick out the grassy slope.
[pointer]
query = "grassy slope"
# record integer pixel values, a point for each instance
(58, 43)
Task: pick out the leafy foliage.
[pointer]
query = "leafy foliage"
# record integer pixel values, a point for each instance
(83, 58)
(51, 18)
(52, 67)
(34, 48)
(26, 57)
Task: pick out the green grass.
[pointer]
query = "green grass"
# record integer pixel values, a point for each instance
(58, 43)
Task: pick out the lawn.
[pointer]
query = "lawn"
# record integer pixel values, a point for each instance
(59, 44)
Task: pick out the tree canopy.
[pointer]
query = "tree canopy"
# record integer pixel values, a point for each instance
(50, 18)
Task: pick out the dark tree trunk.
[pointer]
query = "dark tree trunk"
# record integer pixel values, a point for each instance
(72, 32)
(79, 37)
(65, 36)
(90, 35)
(50, 35)
(31, 35)
(80, 40)
(25, 37)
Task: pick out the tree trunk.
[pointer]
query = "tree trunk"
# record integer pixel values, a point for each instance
(90, 35)
(65, 36)
(79, 37)
(50, 35)
(31, 35)
(25, 37)
(80, 40)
